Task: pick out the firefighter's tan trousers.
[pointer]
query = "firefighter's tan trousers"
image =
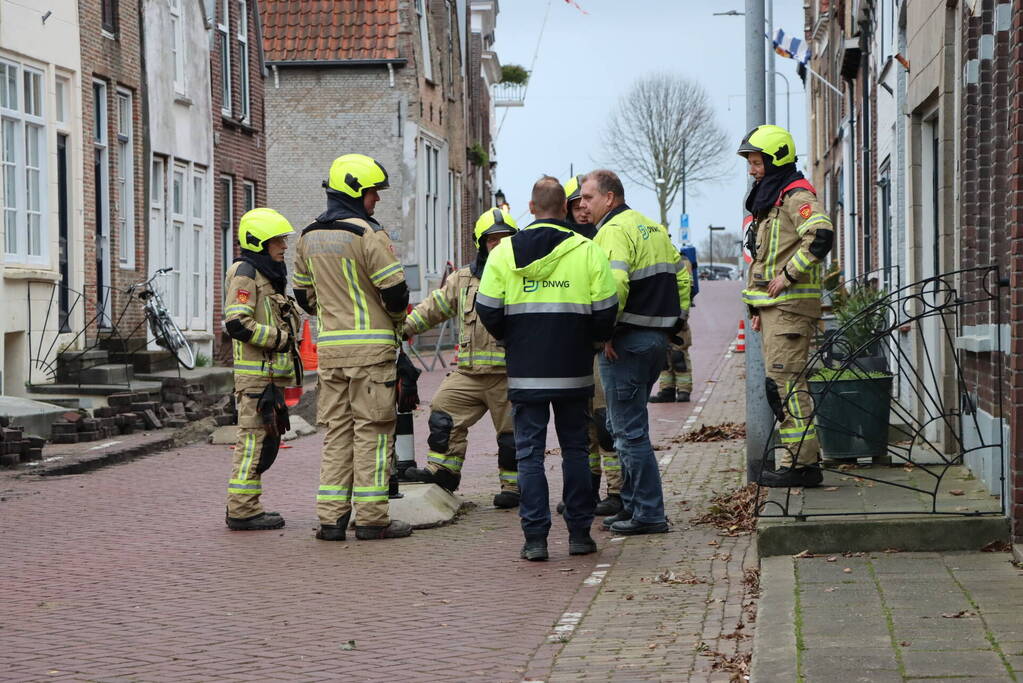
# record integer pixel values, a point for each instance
(357, 405)
(678, 369)
(786, 339)
(602, 460)
(461, 400)
(252, 447)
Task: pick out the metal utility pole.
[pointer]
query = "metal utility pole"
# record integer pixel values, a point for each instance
(712, 228)
(759, 419)
(769, 45)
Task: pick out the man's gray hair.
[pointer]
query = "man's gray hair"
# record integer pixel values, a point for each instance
(607, 181)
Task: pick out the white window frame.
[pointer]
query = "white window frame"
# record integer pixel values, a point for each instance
(424, 39)
(226, 226)
(177, 46)
(198, 248)
(248, 196)
(62, 97)
(29, 246)
(432, 214)
(125, 180)
(224, 36)
(178, 214)
(244, 76)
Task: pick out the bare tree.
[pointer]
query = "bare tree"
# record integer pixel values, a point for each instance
(664, 130)
(726, 248)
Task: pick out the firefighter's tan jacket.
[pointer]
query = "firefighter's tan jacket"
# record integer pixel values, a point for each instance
(255, 317)
(785, 241)
(478, 352)
(342, 270)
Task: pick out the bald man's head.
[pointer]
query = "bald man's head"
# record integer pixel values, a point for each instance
(548, 199)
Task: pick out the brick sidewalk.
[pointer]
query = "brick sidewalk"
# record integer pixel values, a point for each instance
(129, 573)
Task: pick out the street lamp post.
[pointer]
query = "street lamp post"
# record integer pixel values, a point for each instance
(712, 228)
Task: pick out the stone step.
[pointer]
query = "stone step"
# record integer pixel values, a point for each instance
(215, 380)
(146, 361)
(107, 374)
(70, 363)
(66, 389)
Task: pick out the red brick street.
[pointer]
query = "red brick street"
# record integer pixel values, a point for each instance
(128, 572)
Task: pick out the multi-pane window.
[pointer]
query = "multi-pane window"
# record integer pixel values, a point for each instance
(225, 196)
(62, 95)
(177, 45)
(198, 259)
(436, 238)
(248, 196)
(125, 181)
(224, 36)
(424, 38)
(243, 59)
(23, 158)
(108, 11)
(175, 238)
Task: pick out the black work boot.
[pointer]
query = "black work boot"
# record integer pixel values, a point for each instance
(663, 396)
(682, 396)
(622, 515)
(534, 550)
(443, 478)
(264, 521)
(396, 529)
(335, 532)
(611, 505)
(506, 499)
(581, 543)
(808, 477)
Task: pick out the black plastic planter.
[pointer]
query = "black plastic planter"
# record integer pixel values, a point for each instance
(851, 416)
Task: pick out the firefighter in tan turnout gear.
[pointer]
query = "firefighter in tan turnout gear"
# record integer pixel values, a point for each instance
(346, 274)
(788, 238)
(261, 321)
(480, 383)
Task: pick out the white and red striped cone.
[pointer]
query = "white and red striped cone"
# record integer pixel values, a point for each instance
(740, 340)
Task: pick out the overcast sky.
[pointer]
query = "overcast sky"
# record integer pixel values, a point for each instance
(587, 61)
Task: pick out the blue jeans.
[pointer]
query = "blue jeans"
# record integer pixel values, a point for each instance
(571, 421)
(627, 385)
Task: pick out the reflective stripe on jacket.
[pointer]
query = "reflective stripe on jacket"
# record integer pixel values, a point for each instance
(341, 269)
(260, 311)
(652, 283)
(792, 238)
(548, 294)
(478, 351)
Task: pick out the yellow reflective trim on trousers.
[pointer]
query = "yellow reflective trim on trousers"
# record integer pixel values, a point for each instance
(379, 475)
(508, 476)
(448, 462)
(369, 494)
(248, 448)
(361, 314)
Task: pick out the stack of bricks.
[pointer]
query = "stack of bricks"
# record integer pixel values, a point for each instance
(16, 447)
(121, 417)
(184, 403)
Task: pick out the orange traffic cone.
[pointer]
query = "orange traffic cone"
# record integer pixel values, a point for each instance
(307, 349)
(740, 341)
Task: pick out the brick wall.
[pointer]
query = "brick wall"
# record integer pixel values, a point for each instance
(239, 148)
(116, 60)
(1014, 225)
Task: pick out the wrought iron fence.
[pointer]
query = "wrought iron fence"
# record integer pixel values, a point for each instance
(904, 339)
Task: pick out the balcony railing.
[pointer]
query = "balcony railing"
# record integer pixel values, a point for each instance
(510, 95)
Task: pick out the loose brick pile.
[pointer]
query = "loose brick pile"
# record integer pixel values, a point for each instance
(16, 447)
(125, 413)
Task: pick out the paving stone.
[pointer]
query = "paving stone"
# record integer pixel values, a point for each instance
(959, 663)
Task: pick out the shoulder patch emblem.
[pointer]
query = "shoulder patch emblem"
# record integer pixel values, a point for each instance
(243, 296)
(805, 210)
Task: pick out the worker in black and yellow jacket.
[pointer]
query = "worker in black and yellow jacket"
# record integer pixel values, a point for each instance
(789, 237)
(261, 321)
(547, 293)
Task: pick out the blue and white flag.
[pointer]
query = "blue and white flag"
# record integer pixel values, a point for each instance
(791, 47)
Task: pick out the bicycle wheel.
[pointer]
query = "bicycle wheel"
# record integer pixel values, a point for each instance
(169, 336)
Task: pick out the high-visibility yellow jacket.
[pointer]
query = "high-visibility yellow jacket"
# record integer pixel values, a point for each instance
(791, 238)
(548, 294)
(255, 316)
(478, 351)
(347, 272)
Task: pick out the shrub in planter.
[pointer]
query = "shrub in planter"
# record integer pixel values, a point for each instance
(513, 73)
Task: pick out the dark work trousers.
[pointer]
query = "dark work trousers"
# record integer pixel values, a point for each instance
(571, 420)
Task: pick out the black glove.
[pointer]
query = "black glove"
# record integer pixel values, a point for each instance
(273, 411)
(285, 341)
(408, 390)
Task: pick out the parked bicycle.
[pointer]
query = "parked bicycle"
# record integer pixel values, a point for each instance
(168, 335)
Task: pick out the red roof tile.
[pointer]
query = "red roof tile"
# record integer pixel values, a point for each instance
(334, 30)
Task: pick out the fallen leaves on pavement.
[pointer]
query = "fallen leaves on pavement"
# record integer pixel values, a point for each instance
(670, 578)
(997, 547)
(721, 432)
(958, 615)
(735, 511)
(957, 492)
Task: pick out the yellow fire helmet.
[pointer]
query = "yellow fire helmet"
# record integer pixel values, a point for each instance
(573, 188)
(494, 221)
(258, 226)
(771, 141)
(353, 174)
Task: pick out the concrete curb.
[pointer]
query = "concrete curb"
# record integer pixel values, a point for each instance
(917, 534)
(774, 646)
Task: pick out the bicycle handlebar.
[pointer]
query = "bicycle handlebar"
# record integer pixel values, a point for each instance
(164, 270)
